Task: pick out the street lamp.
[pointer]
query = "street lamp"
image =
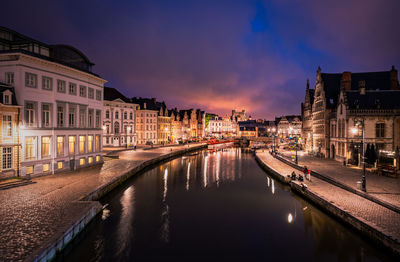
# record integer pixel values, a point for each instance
(273, 131)
(359, 122)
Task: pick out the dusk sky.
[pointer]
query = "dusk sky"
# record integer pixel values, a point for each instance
(218, 55)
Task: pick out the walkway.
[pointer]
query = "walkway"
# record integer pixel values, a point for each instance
(33, 215)
(382, 187)
(376, 216)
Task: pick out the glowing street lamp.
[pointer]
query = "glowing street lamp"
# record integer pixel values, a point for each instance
(359, 123)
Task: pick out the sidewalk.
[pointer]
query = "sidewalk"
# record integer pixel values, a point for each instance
(380, 223)
(32, 215)
(382, 187)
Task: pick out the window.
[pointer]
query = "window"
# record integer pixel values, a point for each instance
(6, 99)
(10, 78)
(90, 144)
(72, 89)
(107, 114)
(81, 144)
(60, 164)
(46, 168)
(116, 114)
(7, 125)
(380, 130)
(60, 86)
(60, 146)
(98, 112)
(98, 95)
(90, 122)
(45, 146)
(130, 115)
(71, 117)
(108, 129)
(97, 144)
(90, 93)
(82, 118)
(71, 145)
(45, 115)
(97, 158)
(47, 83)
(29, 170)
(90, 160)
(7, 158)
(82, 161)
(125, 115)
(29, 113)
(82, 91)
(30, 80)
(30, 148)
(116, 128)
(60, 116)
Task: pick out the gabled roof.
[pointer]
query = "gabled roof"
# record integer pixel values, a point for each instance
(3, 88)
(372, 99)
(111, 94)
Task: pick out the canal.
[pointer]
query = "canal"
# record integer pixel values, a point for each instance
(210, 206)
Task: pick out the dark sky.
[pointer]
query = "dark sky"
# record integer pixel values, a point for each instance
(218, 55)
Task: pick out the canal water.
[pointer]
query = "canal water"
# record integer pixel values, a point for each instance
(215, 205)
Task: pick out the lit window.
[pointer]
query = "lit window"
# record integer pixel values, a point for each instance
(97, 158)
(90, 160)
(45, 146)
(7, 158)
(7, 125)
(71, 145)
(90, 144)
(29, 170)
(97, 144)
(81, 144)
(60, 164)
(46, 168)
(60, 146)
(30, 148)
(82, 161)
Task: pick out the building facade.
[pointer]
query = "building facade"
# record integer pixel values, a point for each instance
(10, 140)
(119, 125)
(62, 103)
(221, 127)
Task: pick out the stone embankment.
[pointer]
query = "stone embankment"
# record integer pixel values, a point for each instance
(373, 219)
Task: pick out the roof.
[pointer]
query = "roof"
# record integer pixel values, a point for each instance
(374, 99)
(63, 54)
(247, 128)
(4, 87)
(110, 94)
(373, 81)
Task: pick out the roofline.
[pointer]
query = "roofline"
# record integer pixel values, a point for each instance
(76, 50)
(23, 36)
(47, 59)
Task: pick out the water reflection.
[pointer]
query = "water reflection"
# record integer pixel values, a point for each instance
(214, 205)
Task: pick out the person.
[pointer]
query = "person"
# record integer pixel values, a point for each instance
(309, 174)
(305, 171)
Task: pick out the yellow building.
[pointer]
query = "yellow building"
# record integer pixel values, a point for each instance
(164, 128)
(10, 141)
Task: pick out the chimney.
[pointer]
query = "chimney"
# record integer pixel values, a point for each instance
(345, 82)
(394, 81)
(361, 87)
(144, 105)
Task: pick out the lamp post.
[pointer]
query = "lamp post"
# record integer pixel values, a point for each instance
(273, 131)
(359, 122)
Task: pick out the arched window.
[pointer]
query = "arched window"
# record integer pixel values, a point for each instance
(116, 128)
(107, 114)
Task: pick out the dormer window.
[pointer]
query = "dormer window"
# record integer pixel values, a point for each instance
(7, 99)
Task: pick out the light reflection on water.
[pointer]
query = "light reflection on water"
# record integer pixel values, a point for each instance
(215, 205)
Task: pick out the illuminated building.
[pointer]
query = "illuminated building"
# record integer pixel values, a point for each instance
(61, 99)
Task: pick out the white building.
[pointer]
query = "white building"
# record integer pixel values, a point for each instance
(119, 125)
(62, 103)
(221, 126)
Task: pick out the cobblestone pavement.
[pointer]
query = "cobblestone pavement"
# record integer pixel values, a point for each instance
(33, 214)
(382, 187)
(375, 215)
